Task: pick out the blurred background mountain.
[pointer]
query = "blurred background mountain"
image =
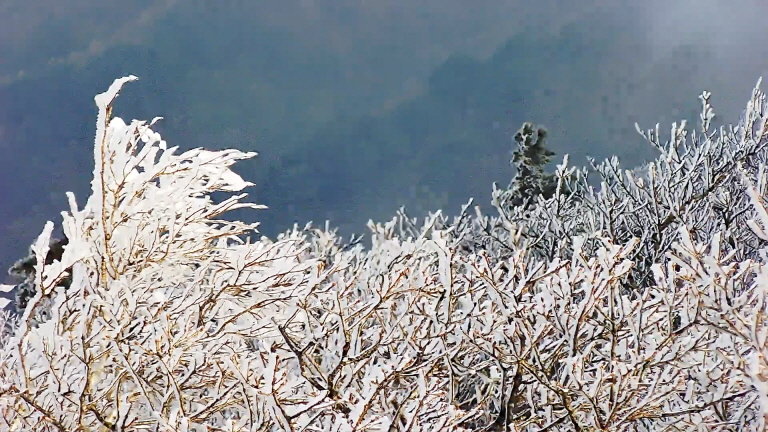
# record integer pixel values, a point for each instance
(357, 106)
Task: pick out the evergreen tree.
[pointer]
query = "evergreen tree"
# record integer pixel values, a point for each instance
(24, 270)
(529, 160)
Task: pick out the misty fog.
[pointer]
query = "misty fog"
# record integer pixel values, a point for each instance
(356, 106)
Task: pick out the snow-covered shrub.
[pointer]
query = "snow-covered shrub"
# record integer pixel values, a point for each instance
(638, 305)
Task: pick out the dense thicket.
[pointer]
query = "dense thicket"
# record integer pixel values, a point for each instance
(633, 301)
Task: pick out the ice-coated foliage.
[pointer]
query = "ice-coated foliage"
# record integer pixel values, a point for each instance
(636, 305)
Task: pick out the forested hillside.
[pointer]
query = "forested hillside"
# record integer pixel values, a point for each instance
(258, 75)
(383, 95)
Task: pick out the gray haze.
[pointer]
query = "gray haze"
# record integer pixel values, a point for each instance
(357, 106)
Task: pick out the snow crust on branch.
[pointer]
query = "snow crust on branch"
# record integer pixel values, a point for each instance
(638, 305)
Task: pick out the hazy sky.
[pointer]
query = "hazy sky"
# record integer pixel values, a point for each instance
(316, 64)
